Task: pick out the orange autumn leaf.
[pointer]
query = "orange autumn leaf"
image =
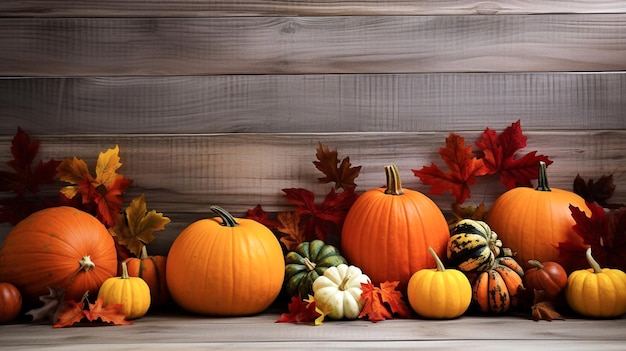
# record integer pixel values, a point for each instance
(382, 302)
(107, 314)
(102, 192)
(291, 228)
(463, 168)
(136, 226)
(327, 161)
(72, 313)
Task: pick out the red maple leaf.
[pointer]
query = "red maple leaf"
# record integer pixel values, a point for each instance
(107, 314)
(259, 215)
(500, 153)
(463, 168)
(25, 180)
(382, 302)
(323, 220)
(299, 312)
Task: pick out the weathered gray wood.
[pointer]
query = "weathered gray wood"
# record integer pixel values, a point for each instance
(313, 103)
(346, 44)
(182, 331)
(182, 175)
(121, 8)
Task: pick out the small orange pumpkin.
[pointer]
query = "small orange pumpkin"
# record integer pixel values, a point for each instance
(152, 270)
(387, 232)
(10, 302)
(532, 222)
(58, 247)
(225, 266)
(497, 289)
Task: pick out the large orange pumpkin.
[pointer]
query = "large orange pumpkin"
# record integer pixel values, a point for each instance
(151, 268)
(532, 222)
(58, 247)
(387, 232)
(225, 266)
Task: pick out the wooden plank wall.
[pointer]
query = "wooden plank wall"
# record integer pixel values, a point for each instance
(224, 102)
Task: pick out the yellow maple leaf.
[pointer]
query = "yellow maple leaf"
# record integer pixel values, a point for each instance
(107, 166)
(136, 228)
(319, 320)
(72, 171)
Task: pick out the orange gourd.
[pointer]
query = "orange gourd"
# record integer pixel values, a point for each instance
(532, 222)
(387, 232)
(496, 290)
(151, 268)
(58, 247)
(225, 266)
(10, 302)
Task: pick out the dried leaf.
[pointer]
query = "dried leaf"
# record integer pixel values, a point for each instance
(382, 302)
(107, 314)
(292, 230)
(136, 228)
(500, 153)
(301, 311)
(52, 306)
(543, 309)
(25, 180)
(468, 212)
(259, 215)
(599, 191)
(463, 168)
(72, 313)
(343, 176)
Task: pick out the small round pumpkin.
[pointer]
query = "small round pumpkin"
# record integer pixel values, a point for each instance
(225, 266)
(10, 302)
(152, 270)
(532, 222)
(306, 263)
(497, 289)
(58, 247)
(597, 292)
(387, 232)
(550, 277)
(132, 292)
(472, 246)
(338, 291)
(439, 293)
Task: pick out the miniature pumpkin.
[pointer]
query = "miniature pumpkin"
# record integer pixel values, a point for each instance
(532, 222)
(338, 291)
(152, 270)
(497, 289)
(225, 266)
(473, 246)
(132, 292)
(306, 263)
(58, 247)
(10, 302)
(439, 293)
(550, 277)
(597, 292)
(387, 232)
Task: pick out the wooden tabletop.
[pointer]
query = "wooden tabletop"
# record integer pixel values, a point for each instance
(178, 330)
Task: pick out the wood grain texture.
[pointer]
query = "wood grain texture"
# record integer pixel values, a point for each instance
(298, 45)
(182, 175)
(153, 8)
(182, 331)
(313, 103)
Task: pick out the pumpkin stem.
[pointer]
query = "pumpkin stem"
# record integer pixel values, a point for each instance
(592, 262)
(86, 264)
(344, 283)
(536, 264)
(227, 219)
(394, 185)
(309, 265)
(542, 180)
(144, 252)
(440, 266)
(125, 271)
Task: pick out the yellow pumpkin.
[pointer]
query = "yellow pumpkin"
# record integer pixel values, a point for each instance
(597, 292)
(439, 293)
(132, 292)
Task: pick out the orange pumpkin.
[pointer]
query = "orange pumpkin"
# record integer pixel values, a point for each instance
(10, 302)
(58, 247)
(532, 222)
(225, 266)
(496, 290)
(152, 270)
(387, 232)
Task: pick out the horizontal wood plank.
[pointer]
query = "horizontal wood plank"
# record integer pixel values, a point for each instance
(153, 8)
(313, 103)
(182, 175)
(298, 45)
